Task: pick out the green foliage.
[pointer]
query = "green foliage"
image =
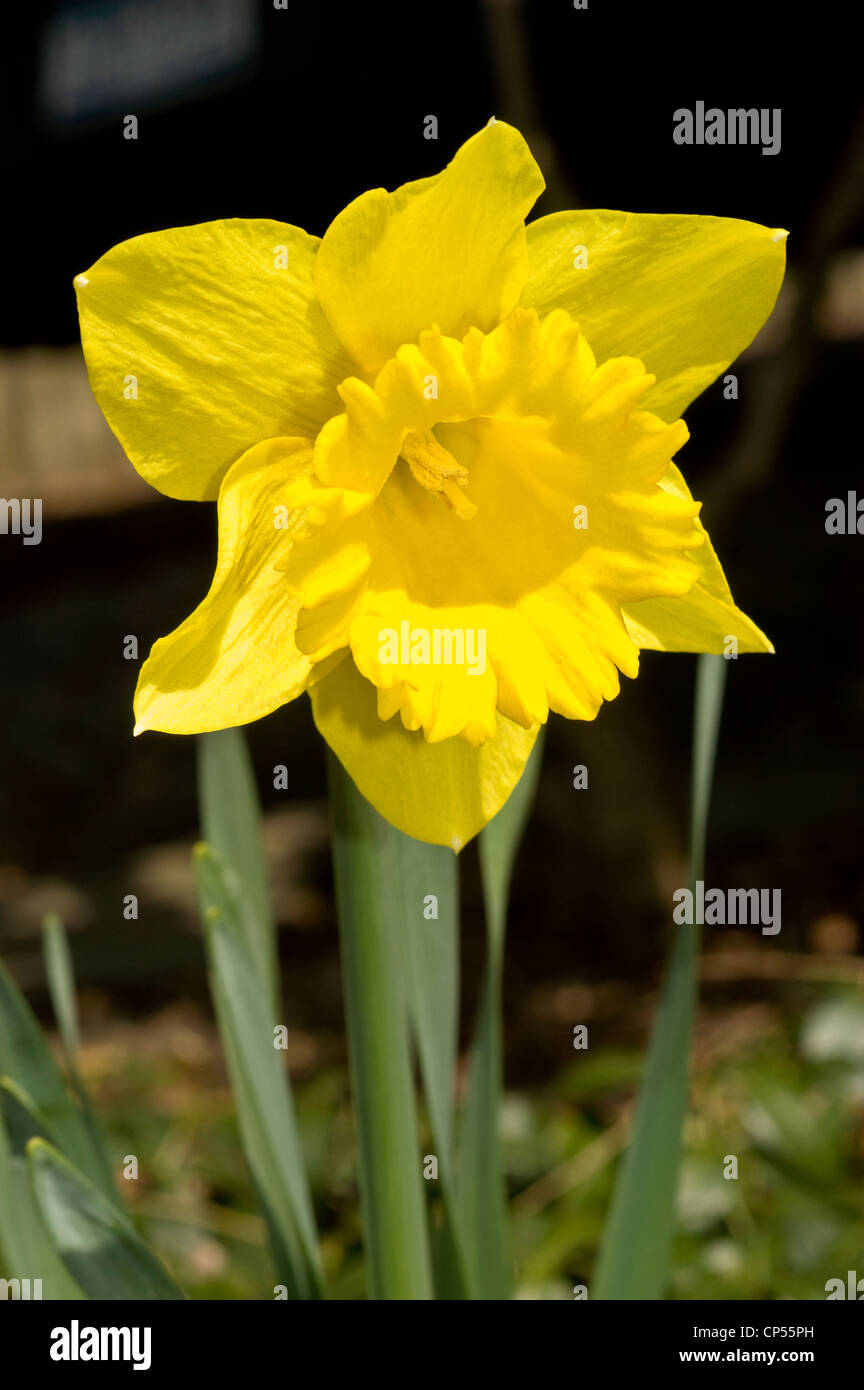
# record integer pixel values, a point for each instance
(265, 1107)
(637, 1242)
(781, 1230)
(94, 1239)
(63, 1226)
(792, 1219)
(230, 824)
(769, 1202)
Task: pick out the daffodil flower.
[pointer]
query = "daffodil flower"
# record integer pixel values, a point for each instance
(432, 420)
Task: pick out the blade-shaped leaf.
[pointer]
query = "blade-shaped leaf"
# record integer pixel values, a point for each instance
(26, 1249)
(499, 842)
(61, 986)
(637, 1241)
(259, 1083)
(95, 1240)
(231, 823)
(26, 1058)
(430, 942)
(481, 1184)
(426, 884)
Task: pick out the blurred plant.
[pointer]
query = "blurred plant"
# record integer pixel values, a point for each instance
(781, 1230)
(400, 985)
(401, 988)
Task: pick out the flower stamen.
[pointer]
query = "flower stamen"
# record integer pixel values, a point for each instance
(436, 470)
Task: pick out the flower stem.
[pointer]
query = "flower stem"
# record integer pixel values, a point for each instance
(390, 1162)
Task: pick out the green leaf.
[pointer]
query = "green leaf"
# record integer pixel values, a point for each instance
(231, 824)
(431, 955)
(96, 1241)
(26, 1058)
(710, 684)
(259, 1082)
(26, 1249)
(373, 971)
(430, 945)
(61, 987)
(482, 1195)
(637, 1241)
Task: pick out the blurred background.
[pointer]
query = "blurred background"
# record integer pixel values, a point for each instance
(252, 111)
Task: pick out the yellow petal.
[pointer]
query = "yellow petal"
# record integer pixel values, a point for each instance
(447, 250)
(706, 616)
(698, 622)
(685, 294)
(201, 341)
(443, 793)
(234, 660)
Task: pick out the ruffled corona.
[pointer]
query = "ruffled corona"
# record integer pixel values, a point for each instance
(528, 515)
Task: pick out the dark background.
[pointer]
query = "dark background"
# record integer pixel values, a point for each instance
(330, 100)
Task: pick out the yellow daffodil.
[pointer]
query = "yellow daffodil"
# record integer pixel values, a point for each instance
(433, 432)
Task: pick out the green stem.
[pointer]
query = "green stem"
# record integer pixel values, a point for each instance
(397, 1239)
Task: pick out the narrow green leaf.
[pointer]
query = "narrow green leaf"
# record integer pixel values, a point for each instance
(95, 1240)
(259, 1082)
(431, 953)
(218, 893)
(26, 1058)
(710, 684)
(22, 1118)
(58, 970)
(499, 842)
(482, 1195)
(61, 987)
(373, 971)
(637, 1242)
(426, 882)
(26, 1249)
(231, 824)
